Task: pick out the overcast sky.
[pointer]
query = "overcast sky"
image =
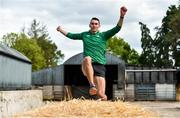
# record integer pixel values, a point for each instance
(74, 16)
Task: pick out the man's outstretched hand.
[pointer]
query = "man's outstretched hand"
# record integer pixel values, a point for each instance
(123, 11)
(59, 29)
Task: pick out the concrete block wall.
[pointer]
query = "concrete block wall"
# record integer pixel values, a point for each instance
(12, 102)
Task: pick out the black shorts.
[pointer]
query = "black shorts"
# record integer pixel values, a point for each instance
(99, 69)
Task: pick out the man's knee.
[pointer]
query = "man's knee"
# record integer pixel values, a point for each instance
(87, 60)
(83, 70)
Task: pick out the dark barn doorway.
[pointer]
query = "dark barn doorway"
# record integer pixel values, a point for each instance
(111, 79)
(74, 77)
(178, 77)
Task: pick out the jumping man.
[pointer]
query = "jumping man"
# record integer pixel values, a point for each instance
(94, 49)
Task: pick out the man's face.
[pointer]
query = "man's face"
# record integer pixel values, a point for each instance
(94, 25)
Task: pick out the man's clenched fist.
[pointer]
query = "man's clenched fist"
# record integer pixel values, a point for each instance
(123, 11)
(58, 28)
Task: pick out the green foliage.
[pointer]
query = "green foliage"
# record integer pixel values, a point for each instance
(36, 45)
(119, 47)
(30, 48)
(167, 36)
(10, 39)
(164, 49)
(174, 34)
(147, 55)
(40, 34)
(133, 57)
(51, 53)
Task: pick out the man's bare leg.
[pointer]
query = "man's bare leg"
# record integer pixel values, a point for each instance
(101, 86)
(87, 70)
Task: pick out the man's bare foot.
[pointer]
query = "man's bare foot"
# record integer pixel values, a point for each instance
(102, 99)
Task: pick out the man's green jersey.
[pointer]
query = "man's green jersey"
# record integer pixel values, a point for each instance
(94, 44)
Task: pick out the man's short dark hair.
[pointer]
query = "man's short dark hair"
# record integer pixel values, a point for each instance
(95, 18)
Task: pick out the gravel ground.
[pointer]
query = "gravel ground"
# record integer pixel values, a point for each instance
(163, 109)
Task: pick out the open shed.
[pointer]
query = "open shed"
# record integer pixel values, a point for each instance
(115, 75)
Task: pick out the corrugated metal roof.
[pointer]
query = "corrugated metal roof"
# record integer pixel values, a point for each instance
(77, 59)
(12, 53)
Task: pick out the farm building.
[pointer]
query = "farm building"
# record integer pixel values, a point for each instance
(70, 74)
(130, 82)
(15, 69)
(15, 83)
(151, 83)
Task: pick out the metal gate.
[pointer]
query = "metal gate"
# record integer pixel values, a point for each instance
(145, 92)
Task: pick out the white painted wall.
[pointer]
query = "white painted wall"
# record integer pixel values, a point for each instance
(165, 92)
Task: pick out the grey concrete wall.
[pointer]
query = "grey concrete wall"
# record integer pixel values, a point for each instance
(129, 92)
(118, 93)
(12, 102)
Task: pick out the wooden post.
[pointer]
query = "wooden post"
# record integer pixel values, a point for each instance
(67, 93)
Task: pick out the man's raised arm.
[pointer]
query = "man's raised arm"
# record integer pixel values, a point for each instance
(108, 34)
(123, 12)
(75, 36)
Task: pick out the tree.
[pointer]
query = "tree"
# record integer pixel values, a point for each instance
(40, 34)
(133, 57)
(147, 56)
(166, 40)
(175, 24)
(31, 49)
(174, 33)
(119, 47)
(36, 45)
(164, 49)
(10, 39)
